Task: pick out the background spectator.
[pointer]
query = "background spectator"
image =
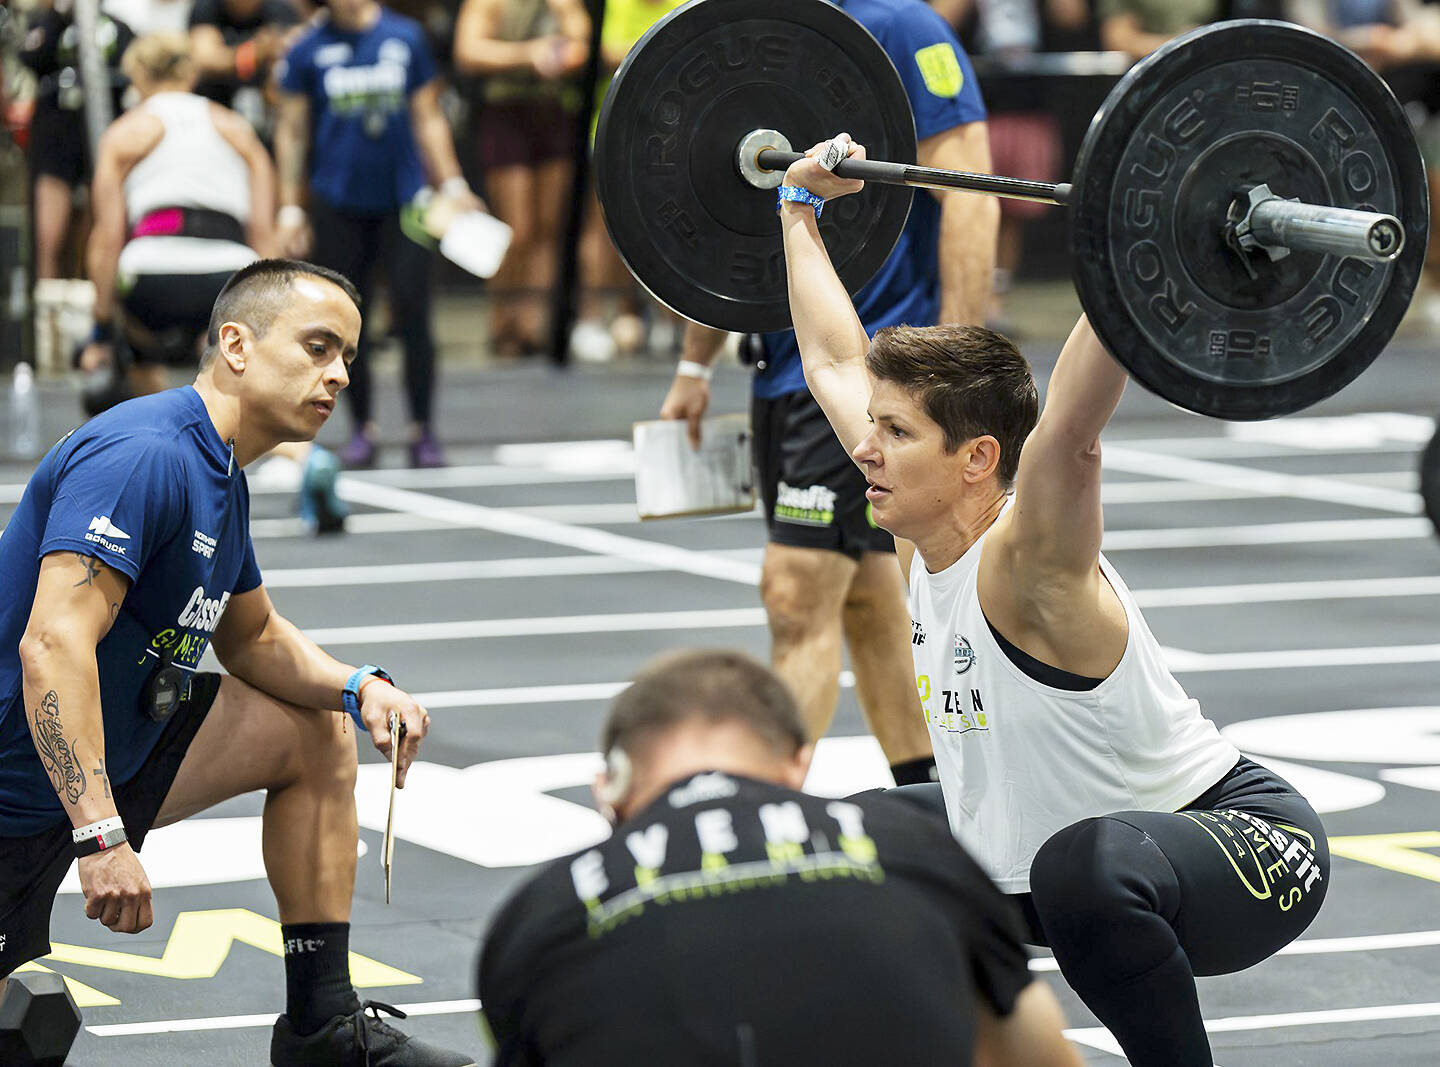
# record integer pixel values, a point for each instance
(235, 43)
(361, 83)
(1023, 144)
(1138, 27)
(60, 159)
(184, 196)
(527, 51)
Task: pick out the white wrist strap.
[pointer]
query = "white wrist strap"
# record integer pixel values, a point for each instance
(291, 215)
(688, 368)
(95, 829)
(456, 186)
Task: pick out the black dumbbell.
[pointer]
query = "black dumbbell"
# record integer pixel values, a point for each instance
(38, 1020)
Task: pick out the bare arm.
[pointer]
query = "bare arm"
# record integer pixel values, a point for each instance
(238, 134)
(76, 600)
(969, 224)
(689, 396)
(258, 645)
(126, 142)
(830, 335)
(1057, 521)
(1032, 1035)
(209, 51)
(292, 147)
(432, 134)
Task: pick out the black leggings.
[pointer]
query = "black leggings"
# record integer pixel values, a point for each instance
(353, 245)
(1136, 903)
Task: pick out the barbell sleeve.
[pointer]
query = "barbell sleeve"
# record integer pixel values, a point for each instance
(1316, 228)
(875, 170)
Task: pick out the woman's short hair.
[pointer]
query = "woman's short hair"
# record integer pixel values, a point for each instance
(971, 381)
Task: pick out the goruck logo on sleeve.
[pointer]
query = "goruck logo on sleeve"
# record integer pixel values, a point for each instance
(940, 67)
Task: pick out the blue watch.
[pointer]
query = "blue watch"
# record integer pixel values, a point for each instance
(800, 195)
(350, 695)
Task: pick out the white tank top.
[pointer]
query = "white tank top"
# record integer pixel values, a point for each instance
(1019, 759)
(192, 166)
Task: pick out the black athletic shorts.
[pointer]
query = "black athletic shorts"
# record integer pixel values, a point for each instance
(32, 868)
(59, 146)
(814, 494)
(175, 307)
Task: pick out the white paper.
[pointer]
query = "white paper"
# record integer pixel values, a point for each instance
(477, 242)
(673, 479)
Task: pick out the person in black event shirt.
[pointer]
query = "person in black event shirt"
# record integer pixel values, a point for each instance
(732, 919)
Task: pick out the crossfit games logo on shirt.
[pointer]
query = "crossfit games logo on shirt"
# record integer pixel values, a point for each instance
(203, 545)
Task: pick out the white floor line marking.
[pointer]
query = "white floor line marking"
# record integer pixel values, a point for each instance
(463, 570)
(1281, 592)
(1093, 1036)
(1273, 533)
(513, 520)
(1319, 946)
(545, 625)
(1180, 661)
(238, 1022)
(1269, 483)
(500, 521)
(1097, 1037)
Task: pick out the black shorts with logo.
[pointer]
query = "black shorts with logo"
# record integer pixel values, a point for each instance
(32, 868)
(814, 494)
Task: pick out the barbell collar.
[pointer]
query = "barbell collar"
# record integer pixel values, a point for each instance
(876, 170)
(1289, 224)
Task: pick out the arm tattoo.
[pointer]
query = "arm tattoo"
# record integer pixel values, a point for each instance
(66, 777)
(92, 567)
(102, 777)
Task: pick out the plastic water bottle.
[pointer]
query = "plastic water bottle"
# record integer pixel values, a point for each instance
(24, 413)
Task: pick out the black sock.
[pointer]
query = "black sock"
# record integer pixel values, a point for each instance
(317, 974)
(915, 771)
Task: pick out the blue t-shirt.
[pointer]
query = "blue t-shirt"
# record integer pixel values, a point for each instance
(148, 489)
(363, 156)
(943, 94)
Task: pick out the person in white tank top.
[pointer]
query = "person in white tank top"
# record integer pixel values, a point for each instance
(1140, 845)
(184, 195)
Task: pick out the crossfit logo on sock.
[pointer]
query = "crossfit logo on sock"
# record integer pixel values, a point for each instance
(295, 946)
(813, 506)
(203, 545)
(105, 533)
(2, 942)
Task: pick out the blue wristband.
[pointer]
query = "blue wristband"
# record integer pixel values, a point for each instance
(350, 696)
(800, 195)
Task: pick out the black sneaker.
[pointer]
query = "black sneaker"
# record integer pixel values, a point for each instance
(358, 1040)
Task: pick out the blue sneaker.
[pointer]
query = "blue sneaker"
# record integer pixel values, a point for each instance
(320, 506)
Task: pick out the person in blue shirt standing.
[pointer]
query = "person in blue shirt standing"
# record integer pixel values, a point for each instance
(830, 577)
(360, 111)
(128, 556)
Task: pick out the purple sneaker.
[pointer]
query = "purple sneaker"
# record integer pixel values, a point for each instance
(425, 451)
(359, 454)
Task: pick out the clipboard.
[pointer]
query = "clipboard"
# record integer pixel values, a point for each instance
(387, 850)
(674, 480)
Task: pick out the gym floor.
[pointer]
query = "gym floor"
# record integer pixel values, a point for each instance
(1285, 564)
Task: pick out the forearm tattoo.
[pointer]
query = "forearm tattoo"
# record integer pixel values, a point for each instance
(66, 776)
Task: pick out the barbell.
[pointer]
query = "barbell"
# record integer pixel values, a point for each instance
(1248, 210)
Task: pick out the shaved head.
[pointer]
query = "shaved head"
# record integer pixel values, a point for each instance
(256, 294)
